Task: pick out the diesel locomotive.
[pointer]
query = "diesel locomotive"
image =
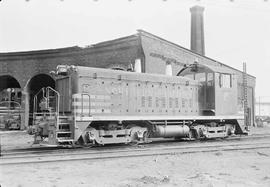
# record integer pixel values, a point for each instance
(104, 106)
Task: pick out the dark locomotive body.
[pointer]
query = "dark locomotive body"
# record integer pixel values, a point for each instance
(93, 105)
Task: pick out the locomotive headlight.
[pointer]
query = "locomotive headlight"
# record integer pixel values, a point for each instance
(62, 70)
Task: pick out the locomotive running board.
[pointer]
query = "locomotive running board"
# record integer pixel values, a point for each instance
(161, 117)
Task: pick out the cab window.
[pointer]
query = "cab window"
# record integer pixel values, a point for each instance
(210, 79)
(225, 80)
(191, 76)
(200, 77)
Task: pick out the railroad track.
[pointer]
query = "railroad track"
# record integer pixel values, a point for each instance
(155, 143)
(137, 151)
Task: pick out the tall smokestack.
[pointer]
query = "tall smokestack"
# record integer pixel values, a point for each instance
(197, 30)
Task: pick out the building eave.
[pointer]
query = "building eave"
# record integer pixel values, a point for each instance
(147, 34)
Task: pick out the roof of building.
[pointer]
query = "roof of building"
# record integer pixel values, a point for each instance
(187, 50)
(40, 52)
(106, 43)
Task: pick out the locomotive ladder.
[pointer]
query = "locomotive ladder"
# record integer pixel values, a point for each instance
(47, 106)
(246, 113)
(63, 126)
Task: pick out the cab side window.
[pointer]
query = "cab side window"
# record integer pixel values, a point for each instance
(210, 79)
(191, 76)
(225, 80)
(201, 77)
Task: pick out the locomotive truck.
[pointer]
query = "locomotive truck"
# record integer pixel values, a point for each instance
(104, 106)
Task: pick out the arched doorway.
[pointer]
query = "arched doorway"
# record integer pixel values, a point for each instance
(7, 81)
(10, 103)
(34, 85)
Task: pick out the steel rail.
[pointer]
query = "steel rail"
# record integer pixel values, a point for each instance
(50, 150)
(97, 155)
(155, 143)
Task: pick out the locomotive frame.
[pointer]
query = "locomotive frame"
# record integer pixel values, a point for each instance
(94, 105)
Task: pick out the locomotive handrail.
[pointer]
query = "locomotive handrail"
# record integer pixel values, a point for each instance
(46, 94)
(15, 110)
(35, 102)
(9, 102)
(83, 102)
(57, 103)
(35, 99)
(57, 98)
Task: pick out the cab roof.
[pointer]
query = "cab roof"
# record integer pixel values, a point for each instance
(196, 67)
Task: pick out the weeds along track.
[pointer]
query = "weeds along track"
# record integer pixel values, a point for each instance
(131, 151)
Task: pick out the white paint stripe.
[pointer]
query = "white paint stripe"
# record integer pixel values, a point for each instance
(84, 104)
(80, 118)
(100, 111)
(92, 96)
(87, 104)
(86, 96)
(107, 97)
(86, 111)
(80, 96)
(94, 108)
(100, 104)
(108, 111)
(79, 110)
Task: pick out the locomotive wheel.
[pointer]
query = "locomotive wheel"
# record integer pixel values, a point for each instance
(200, 134)
(146, 135)
(194, 134)
(229, 131)
(134, 134)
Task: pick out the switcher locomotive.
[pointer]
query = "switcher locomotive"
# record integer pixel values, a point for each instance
(104, 106)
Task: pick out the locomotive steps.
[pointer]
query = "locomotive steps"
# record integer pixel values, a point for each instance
(64, 134)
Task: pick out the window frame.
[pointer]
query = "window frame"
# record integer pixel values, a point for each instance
(224, 82)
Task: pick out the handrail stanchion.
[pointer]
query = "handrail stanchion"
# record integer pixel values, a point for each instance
(82, 105)
(57, 104)
(88, 103)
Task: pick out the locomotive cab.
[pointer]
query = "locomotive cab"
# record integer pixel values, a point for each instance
(217, 92)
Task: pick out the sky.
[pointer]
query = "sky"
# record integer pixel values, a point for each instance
(236, 31)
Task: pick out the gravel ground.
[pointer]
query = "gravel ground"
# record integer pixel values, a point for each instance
(240, 168)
